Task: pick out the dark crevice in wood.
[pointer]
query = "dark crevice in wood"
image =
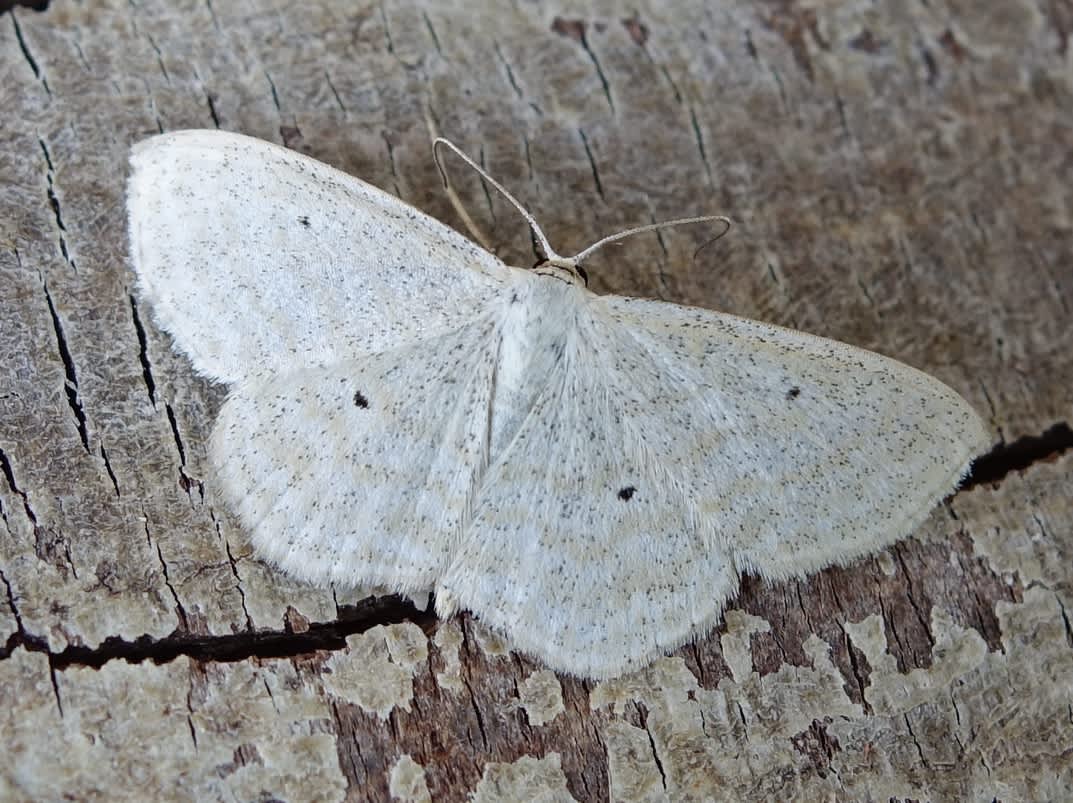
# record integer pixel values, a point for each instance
(186, 482)
(184, 622)
(432, 34)
(576, 30)
(1019, 455)
(335, 93)
(913, 736)
(321, 636)
(110, 470)
(143, 352)
(510, 73)
(25, 48)
(159, 58)
(9, 476)
(592, 165)
(698, 135)
(71, 383)
(922, 612)
(212, 109)
(175, 434)
(275, 94)
(54, 203)
(20, 631)
(1065, 620)
(238, 583)
(642, 711)
(34, 5)
(487, 193)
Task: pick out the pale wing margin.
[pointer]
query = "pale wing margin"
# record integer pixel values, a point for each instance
(257, 258)
(582, 547)
(796, 451)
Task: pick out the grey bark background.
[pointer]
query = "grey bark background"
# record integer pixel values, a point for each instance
(900, 178)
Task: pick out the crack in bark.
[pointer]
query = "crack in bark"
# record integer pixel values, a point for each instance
(1065, 619)
(34, 5)
(510, 73)
(111, 472)
(592, 164)
(924, 621)
(25, 48)
(575, 29)
(184, 622)
(186, 482)
(484, 188)
(143, 352)
(741, 714)
(861, 674)
(22, 638)
(190, 711)
(913, 736)
(432, 33)
(335, 93)
(391, 163)
(699, 137)
(892, 633)
(868, 297)
(469, 688)
(1014, 456)
(858, 671)
(212, 14)
(994, 412)
(957, 717)
(20, 630)
(642, 713)
(275, 94)
(54, 203)
(74, 400)
(238, 581)
(750, 46)
(9, 476)
(477, 712)
(328, 636)
(528, 156)
(212, 109)
(387, 31)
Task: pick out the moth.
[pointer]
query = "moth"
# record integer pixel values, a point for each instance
(587, 474)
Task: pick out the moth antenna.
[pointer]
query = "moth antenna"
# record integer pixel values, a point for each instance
(541, 241)
(581, 255)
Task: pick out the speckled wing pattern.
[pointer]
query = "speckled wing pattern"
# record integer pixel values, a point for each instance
(354, 332)
(256, 258)
(799, 451)
(588, 474)
(362, 472)
(674, 448)
(584, 546)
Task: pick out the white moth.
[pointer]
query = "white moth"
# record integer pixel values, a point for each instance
(589, 475)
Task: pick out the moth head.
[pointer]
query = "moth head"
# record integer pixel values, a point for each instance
(565, 268)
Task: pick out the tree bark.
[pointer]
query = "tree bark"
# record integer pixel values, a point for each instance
(899, 176)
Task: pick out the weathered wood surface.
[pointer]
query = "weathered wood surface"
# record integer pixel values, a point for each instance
(900, 175)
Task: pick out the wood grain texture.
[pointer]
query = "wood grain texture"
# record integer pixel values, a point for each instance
(898, 174)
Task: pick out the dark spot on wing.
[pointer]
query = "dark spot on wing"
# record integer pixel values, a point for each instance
(360, 400)
(304, 221)
(793, 392)
(627, 493)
